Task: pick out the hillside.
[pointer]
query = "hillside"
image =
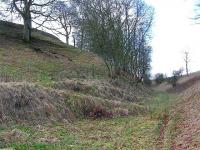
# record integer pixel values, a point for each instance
(187, 125)
(45, 60)
(62, 96)
(55, 97)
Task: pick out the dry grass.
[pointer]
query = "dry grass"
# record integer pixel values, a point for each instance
(105, 89)
(182, 131)
(48, 91)
(129, 132)
(28, 103)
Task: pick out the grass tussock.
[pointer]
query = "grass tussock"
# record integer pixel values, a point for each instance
(84, 106)
(28, 103)
(104, 89)
(130, 132)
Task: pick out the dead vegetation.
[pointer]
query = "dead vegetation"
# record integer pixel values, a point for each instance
(112, 90)
(46, 80)
(28, 103)
(187, 125)
(23, 102)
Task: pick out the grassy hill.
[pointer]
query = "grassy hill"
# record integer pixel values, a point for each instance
(54, 96)
(45, 60)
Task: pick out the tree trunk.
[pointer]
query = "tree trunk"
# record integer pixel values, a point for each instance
(74, 42)
(109, 68)
(27, 30)
(82, 38)
(67, 39)
(187, 71)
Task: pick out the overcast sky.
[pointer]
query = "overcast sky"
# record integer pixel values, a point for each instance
(173, 33)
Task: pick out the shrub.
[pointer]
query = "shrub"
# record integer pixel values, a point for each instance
(147, 81)
(159, 78)
(175, 76)
(99, 112)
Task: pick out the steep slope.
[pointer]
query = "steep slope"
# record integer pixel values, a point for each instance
(46, 80)
(44, 60)
(54, 96)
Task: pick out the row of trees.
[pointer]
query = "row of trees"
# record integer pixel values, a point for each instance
(176, 74)
(117, 30)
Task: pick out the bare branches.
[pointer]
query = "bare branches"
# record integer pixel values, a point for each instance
(17, 8)
(65, 15)
(44, 4)
(118, 30)
(30, 10)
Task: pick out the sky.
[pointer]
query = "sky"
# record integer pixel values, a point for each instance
(174, 31)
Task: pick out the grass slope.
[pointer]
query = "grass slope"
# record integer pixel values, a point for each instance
(45, 60)
(46, 72)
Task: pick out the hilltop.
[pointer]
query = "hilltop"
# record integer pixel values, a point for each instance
(184, 82)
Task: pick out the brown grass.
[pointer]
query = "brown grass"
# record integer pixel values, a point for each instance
(104, 89)
(23, 102)
(29, 103)
(73, 81)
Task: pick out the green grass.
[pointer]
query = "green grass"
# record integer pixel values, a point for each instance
(133, 132)
(19, 61)
(159, 104)
(121, 133)
(21, 64)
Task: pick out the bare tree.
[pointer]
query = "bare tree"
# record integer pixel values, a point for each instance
(64, 14)
(187, 60)
(29, 10)
(118, 31)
